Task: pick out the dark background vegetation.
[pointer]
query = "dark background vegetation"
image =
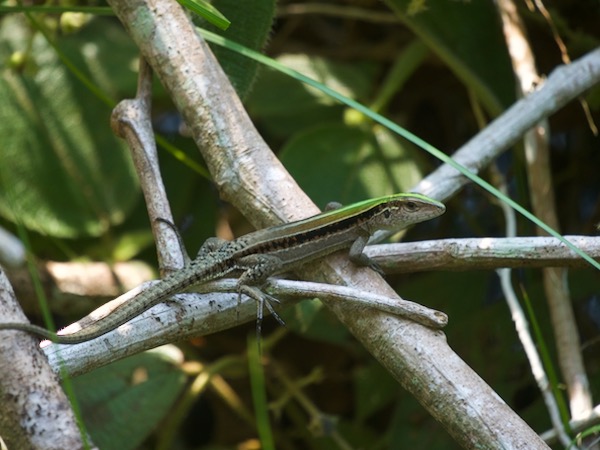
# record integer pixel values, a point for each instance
(71, 185)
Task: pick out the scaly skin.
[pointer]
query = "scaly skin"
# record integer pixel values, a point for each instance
(263, 253)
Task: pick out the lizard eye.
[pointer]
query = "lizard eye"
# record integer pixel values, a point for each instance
(411, 206)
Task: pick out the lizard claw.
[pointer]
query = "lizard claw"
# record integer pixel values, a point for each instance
(262, 299)
(374, 266)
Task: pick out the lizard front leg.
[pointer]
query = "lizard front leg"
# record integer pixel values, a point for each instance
(357, 256)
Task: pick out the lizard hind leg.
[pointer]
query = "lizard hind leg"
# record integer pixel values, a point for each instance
(262, 299)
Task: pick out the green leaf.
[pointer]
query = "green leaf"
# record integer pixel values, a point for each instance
(341, 163)
(310, 319)
(63, 172)
(208, 11)
(123, 402)
(305, 106)
(374, 389)
(468, 37)
(259, 394)
(251, 22)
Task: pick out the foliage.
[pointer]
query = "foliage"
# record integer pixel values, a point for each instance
(67, 180)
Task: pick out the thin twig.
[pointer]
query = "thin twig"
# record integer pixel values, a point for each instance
(522, 328)
(98, 279)
(194, 314)
(131, 120)
(481, 253)
(576, 426)
(541, 193)
(563, 85)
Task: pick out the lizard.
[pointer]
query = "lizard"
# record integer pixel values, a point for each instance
(263, 253)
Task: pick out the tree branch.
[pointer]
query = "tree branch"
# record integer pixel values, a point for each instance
(248, 174)
(563, 85)
(214, 308)
(482, 254)
(23, 364)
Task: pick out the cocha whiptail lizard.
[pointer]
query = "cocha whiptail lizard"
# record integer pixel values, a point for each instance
(263, 253)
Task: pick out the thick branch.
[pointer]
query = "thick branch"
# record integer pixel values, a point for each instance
(250, 176)
(38, 416)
